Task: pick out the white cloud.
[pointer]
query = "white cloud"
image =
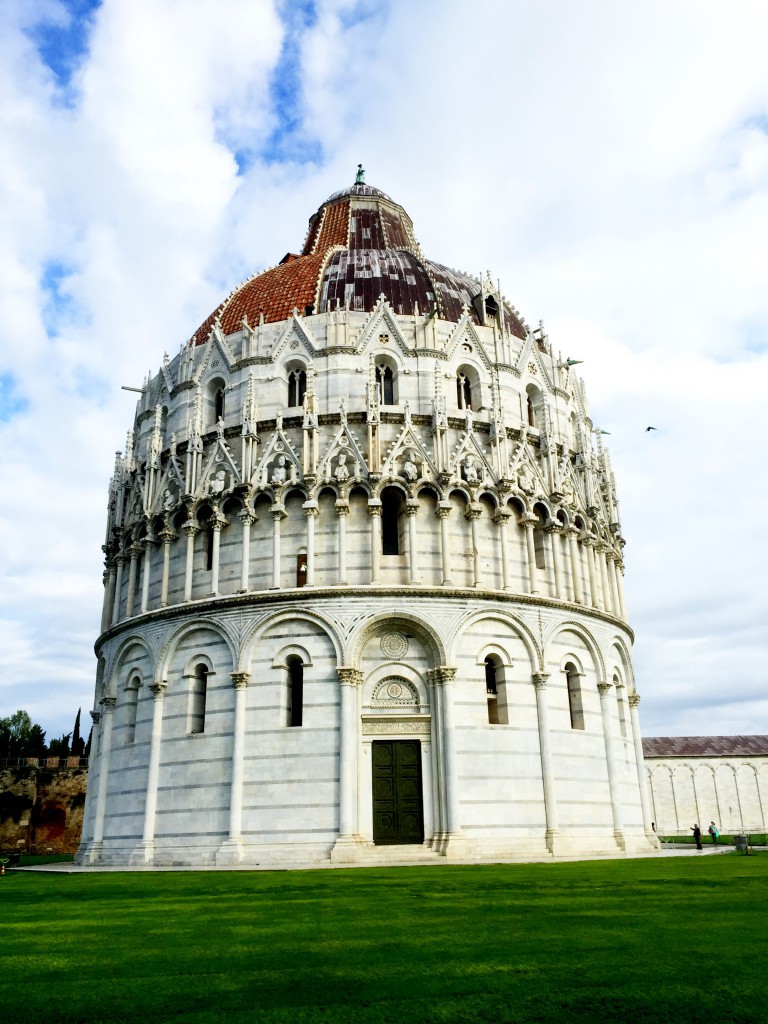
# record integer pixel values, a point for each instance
(608, 162)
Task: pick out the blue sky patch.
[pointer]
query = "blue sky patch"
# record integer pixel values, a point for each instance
(63, 42)
(11, 402)
(58, 306)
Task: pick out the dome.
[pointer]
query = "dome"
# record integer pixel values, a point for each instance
(360, 245)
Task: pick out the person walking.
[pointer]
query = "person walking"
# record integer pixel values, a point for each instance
(697, 836)
(713, 832)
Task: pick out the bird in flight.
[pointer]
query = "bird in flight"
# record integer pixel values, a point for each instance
(650, 428)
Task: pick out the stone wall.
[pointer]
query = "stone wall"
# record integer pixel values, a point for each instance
(41, 809)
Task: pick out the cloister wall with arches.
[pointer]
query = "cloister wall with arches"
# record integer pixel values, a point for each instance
(699, 779)
(388, 619)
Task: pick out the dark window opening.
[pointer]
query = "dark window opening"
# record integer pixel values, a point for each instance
(295, 692)
(301, 569)
(575, 707)
(463, 392)
(131, 707)
(219, 402)
(491, 308)
(198, 699)
(390, 525)
(209, 550)
(297, 387)
(385, 378)
(531, 412)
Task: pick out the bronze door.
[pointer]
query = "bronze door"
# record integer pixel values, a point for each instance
(398, 815)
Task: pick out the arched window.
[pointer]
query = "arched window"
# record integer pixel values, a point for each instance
(534, 403)
(197, 698)
(391, 514)
(575, 707)
(495, 692)
(295, 691)
(297, 386)
(539, 537)
(385, 378)
(131, 706)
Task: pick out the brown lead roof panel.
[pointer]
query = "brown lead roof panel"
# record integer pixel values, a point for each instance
(359, 276)
(705, 746)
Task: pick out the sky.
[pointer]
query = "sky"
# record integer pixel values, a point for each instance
(607, 162)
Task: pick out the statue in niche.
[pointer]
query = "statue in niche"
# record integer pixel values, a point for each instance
(218, 483)
(169, 499)
(279, 472)
(341, 472)
(469, 470)
(220, 427)
(410, 469)
(525, 480)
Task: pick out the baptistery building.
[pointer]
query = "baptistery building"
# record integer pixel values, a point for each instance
(364, 581)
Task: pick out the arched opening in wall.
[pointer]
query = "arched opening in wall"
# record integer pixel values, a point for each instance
(198, 694)
(392, 516)
(131, 707)
(539, 536)
(491, 309)
(620, 706)
(297, 384)
(575, 705)
(534, 404)
(295, 691)
(467, 388)
(495, 691)
(215, 401)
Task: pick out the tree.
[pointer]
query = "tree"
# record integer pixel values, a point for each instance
(60, 747)
(14, 734)
(78, 744)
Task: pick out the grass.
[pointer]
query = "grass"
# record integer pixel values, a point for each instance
(755, 839)
(646, 941)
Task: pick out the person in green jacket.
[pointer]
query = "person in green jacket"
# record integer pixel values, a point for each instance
(713, 832)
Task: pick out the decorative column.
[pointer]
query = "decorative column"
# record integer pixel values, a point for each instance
(247, 519)
(600, 554)
(346, 847)
(231, 851)
(109, 596)
(278, 514)
(217, 521)
(613, 575)
(374, 511)
(473, 513)
(553, 532)
(411, 510)
(86, 841)
(573, 550)
(342, 511)
(146, 851)
(442, 678)
(442, 512)
(107, 715)
(167, 536)
(438, 764)
(311, 511)
(642, 781)
(145, 573)
(529, 522)
(426, 788)
(620, 586)
(192, 529)
(545, 750)
(594, 592)
(135, 551)
(604, 689)
(120, 562)
(501, 518)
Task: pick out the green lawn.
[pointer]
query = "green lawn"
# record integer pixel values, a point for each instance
(654, 941)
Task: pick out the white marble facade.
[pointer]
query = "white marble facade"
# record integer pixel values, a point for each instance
(348, 526)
